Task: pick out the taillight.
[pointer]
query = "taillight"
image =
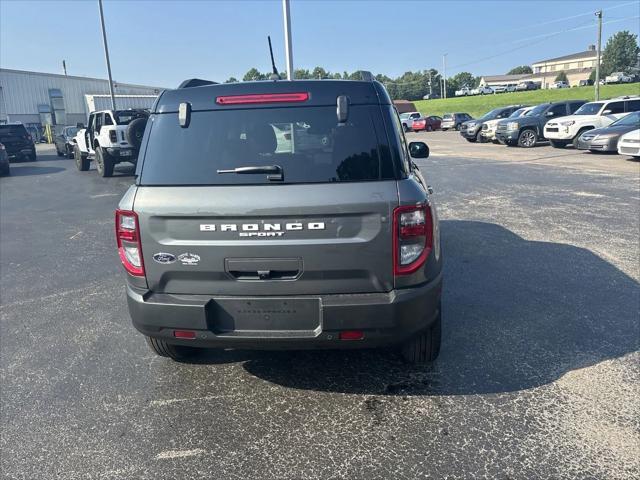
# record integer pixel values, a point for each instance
(113, 136)
(128, 238)
(412, 238)
(263, 98)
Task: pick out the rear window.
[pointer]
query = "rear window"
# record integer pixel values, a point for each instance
(7, 131)
(125, 117)
(306, 142)
(447, 116)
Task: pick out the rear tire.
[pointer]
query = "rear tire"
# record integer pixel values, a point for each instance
(175, 352)
(59, 153)
(82, 162)
(69, 152)
(104, 163)
(558, 143)
(425, 346)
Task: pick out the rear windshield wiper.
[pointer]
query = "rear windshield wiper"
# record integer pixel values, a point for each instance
(274, 172)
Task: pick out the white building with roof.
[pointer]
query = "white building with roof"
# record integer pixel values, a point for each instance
(36, 99)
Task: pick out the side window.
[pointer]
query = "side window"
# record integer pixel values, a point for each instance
(92, 122)
(98, 121)
(107, 119)
(559, 110)
(633, 105)
(574, 106)
(403, 142)
(415, 115)
(614, 107)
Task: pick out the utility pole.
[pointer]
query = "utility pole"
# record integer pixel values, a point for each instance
(106, 55)
(444, 74)
(287, 38)
(599, 15)
(64, 67)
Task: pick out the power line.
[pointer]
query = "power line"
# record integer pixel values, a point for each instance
(590, 25)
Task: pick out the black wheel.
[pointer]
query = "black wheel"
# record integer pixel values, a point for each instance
(558, 143)
(445, 129)
(479, 137)
(69, 152)
(528, 138)
(405, 129)
(429, 128)
(425, 346)
(82, 162)
(58, 152)
(471, 140)
(176, 352)
(135, 132)
(104, 163)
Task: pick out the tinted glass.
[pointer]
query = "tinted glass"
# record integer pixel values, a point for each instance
(615, 107)
(591, 108)
(447, 116)
(559, 110)
(539, 110)
(633, 119)
(124, 117)
(633, 105)
(70, 131)
(575, 106)
(12, 131)
(308, 143)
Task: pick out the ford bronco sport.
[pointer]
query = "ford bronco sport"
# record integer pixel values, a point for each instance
(281, 215)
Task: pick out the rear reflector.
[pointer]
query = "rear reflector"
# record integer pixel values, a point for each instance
(351, 335)
(263, 98)
(184, 334)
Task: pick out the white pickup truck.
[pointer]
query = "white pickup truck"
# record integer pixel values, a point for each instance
(463, 92)
(111, 137)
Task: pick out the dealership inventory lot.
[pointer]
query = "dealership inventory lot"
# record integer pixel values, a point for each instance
(537, 377)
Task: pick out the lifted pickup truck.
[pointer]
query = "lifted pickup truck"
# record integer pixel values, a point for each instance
(111, 137)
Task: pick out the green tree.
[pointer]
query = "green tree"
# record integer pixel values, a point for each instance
(520, 70)
(319, 72)
(620, 53)
(464, 79)
(562, 77)
(301, 74)
(254, 74)
(231, 80)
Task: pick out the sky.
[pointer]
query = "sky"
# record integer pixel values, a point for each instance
(162, 42)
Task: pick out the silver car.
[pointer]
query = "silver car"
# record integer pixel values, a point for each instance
(281, 215)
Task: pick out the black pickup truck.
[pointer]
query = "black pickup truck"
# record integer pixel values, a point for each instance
(526, 131)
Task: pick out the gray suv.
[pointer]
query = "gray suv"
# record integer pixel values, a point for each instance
(284, 215)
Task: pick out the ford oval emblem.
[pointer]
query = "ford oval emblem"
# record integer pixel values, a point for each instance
(164, 257)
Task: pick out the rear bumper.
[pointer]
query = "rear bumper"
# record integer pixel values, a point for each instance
(385, 318)
(20, 152)
(122, 154)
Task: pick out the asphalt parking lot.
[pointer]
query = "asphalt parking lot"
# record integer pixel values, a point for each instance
(538, 376)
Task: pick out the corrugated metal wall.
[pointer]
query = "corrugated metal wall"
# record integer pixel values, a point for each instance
(22, 92)
(103, 102)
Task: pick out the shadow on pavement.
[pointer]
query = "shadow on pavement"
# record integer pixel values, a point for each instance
(27, 170)
(517, 314)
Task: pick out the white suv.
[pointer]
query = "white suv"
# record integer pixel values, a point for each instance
(111, 137)
(565, 130)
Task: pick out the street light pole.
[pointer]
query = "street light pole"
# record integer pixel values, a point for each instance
(106, 55)
(287, 38)
(444, 72)
(599, 15)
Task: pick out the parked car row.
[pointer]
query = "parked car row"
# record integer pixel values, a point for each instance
(603, 126)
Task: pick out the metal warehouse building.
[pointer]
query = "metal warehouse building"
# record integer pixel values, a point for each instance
(36, 99)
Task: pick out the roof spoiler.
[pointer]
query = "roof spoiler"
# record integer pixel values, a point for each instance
(195, 82)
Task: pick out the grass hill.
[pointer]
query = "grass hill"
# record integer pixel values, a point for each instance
(480, 104)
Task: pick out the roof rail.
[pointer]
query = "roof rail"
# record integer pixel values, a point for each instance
(195, 82)
(366, 76)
